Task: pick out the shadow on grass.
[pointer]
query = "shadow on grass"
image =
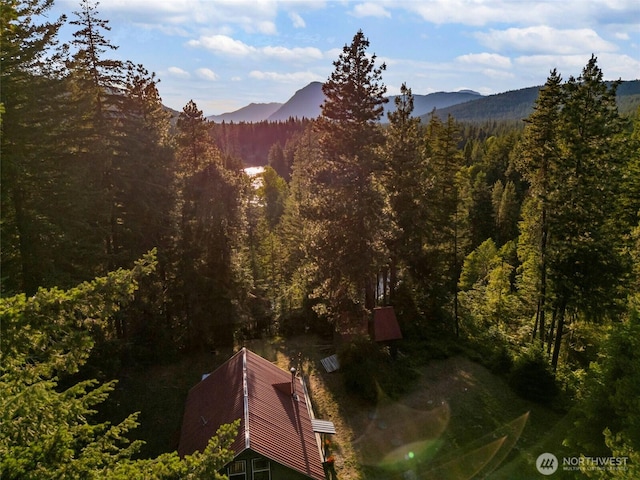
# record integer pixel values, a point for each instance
(458, 420)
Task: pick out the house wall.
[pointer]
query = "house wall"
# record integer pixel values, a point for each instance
(278, 471)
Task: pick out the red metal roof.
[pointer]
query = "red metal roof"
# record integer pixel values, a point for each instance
(274, 423)
(385, 325)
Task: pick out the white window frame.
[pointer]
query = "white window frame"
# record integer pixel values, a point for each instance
(238, 475)
(255, 470)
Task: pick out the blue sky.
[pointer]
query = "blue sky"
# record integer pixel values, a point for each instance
(225, 54)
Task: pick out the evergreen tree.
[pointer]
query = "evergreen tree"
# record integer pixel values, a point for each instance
(296, 232)
(36, 185)
(143, 198)
(405, 179)
(265, 236)
(487, 293)
(278, 162)
(507, 213)
(575, 172)
(195, 150)
(274, 193)
(607, 404)
(210, 245)
(47, 430)
(480, 211)
(448, 239)
(346, 202)
(585, 262)
(143, 169)
(537, 163)
(98, 85)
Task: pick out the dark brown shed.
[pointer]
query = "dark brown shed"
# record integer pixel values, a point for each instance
(385, 325)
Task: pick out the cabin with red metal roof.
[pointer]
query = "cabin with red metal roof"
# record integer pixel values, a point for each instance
(276, 439)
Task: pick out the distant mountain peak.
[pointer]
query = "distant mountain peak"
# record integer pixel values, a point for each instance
(254, 112)
(305, 103)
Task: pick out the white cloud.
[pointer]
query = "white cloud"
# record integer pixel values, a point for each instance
(473, 12)
(333, 53)
(543, 39)
(613, 65)
(265, 26)
(297, 20)
(292, 77)
(562, 14)
(487, 59)
(178, 72)
(539, 66)
(251, 16)
(370, 9)
(497, 74)
(292, 54)
(224, 45)
(207, 74)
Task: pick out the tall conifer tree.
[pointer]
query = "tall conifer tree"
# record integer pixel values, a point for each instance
(35, 184)
(448, 237)
(537, 164)
(347, 201)
(98, 85)
(573, 159)
(405, 177)
(210, 210)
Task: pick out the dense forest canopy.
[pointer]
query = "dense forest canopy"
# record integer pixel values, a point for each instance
(520, 242)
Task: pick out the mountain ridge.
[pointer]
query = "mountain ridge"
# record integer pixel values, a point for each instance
(519, 104)
(306, 102)
(463, 105)
(254, 112)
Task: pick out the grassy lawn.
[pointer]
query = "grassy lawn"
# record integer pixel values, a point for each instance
(458, 420)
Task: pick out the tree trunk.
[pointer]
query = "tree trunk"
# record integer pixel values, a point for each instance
(550, 334)
(536, 323)
(558, 342)
(369, 294)
(30, 281)
(543, 276)
(393, 279)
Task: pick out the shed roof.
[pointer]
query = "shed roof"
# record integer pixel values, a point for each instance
(385, 325)
(273, 422)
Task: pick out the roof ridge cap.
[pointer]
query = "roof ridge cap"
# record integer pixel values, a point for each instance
(245, 390)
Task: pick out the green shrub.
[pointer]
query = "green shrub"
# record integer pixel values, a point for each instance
(360, 363)
(500, 360)
(369, 369)
(532, 378)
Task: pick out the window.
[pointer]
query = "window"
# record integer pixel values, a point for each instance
(261, 469)
(237, 470)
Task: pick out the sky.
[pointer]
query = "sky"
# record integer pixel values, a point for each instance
(226, 54)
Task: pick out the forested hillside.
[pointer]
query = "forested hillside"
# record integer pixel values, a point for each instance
(518, 104)
(127, 241)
